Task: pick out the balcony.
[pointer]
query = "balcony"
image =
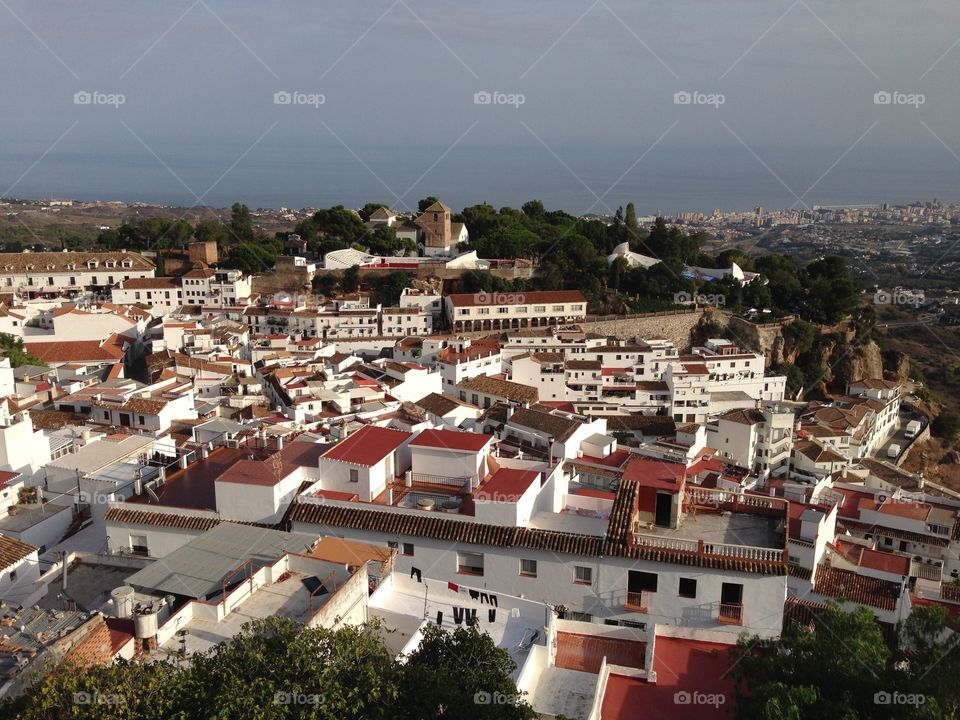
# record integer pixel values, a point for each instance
(637, 601)
(730, 614)
(925, 571)
(439, 483)
(700, 547)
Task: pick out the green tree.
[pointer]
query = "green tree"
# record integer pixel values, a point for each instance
(460, 675)
(843, 665)
(13, 348)
(367, 210)
(387, 288)
(384, 241)
(212, 230)
(426, 202)
(831, 293)
(350, 281)
(945, 425)
(241, 224)
(275, 668)
(336, 223)
(630, 220)
(533, 208)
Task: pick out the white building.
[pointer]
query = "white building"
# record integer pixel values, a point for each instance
(55, 273)
(502, 311)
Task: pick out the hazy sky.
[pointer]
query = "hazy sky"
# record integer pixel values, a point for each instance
(398, 79)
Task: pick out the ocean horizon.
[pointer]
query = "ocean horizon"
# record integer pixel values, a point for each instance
(577, 179)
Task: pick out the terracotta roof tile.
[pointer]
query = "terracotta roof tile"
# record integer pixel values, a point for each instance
(160, 519)
(445, 529)
(848, 585)
(528, 298)
(13, 551)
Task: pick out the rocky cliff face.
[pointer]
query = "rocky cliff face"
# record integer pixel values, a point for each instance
(839, 358)
(864, 361)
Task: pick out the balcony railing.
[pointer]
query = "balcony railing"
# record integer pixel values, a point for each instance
(924, 571)
(637, 601)
(424, 479)
(730, 614)
(728, 500)
(726, 550)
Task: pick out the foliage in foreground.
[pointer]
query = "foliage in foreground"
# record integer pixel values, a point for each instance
(276, 668)
(13, 348)
(843, 669)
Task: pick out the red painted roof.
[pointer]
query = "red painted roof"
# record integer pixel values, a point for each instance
(684, 668)
(252, 472)
(507, 485)
(649, 472)
(590, 492)
(885, 562)
(452, 440)
(615, 459)
(367, 446)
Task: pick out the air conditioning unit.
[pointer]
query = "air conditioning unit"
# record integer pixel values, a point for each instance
(233, 443)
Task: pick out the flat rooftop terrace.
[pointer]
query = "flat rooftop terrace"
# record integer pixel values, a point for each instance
(289, 598)
(194, 487)
(727, 527)
(405, 604)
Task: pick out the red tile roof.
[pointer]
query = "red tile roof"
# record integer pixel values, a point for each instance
(527, 298)
(13, 551)
(367, 446)
(160, 519)
(434, 525)
(452, 440)
(848, 585)
(76, 350)
(154, 283)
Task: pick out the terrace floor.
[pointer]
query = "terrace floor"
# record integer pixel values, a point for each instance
(564, 692)
(194, 487)
(289, 599)
(728, 527)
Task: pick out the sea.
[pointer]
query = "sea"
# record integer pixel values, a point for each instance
(578, 179)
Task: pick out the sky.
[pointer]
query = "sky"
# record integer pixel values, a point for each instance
(583, 104)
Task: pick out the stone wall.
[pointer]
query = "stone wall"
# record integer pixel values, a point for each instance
(677, 327)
